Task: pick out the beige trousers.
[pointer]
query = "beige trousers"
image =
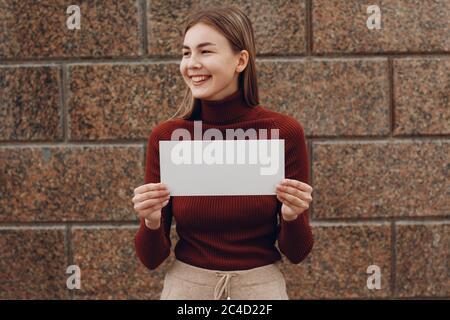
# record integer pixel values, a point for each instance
(186, 282)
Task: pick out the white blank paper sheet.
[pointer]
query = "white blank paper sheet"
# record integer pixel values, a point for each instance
(222, 167)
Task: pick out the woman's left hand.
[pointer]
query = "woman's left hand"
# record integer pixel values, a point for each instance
(295, 196)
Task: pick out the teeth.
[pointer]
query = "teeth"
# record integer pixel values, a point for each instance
(197, 79)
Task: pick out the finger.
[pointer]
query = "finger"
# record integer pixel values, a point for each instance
(150, 203)
(295, 192)
(294, 201)
(297, 184)
(149, 187)
(149, 195)
(291, 190)
(286, 201)
(148, 211)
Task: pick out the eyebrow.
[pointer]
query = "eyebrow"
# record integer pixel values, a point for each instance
(203, 44)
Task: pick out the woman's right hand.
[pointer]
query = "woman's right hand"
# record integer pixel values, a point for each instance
(148, 201)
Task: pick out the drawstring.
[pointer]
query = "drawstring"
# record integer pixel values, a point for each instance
(222, 284)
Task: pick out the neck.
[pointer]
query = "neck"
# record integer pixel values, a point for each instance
(224, 110)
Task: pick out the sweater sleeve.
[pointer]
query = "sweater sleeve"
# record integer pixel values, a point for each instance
(153, 246)
(295, 239)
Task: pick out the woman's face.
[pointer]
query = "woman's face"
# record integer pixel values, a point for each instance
(215, 60)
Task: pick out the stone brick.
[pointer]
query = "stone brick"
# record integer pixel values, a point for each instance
(121, 101)
(110, 268)
(329, 97)
(279, 26)
(422, 95)
(70, 183)
(406, 25)
(38, 29)
(30, 104)
(381, 179)
(337, 266)
(423, 260)
(33, 264)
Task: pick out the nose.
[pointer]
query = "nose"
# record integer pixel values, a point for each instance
(193, 63)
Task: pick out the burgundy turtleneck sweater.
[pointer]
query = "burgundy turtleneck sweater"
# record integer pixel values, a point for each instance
(228, 232)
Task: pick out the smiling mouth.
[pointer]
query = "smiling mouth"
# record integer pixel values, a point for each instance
(199, 83)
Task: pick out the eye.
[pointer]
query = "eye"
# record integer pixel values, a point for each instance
(202, 52)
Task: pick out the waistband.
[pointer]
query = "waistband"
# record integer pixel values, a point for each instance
(221, 280)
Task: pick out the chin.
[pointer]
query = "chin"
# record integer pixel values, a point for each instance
(200, 95)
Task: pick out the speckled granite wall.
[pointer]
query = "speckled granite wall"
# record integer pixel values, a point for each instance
(77, 106)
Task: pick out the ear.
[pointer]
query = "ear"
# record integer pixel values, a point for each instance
(243, 61)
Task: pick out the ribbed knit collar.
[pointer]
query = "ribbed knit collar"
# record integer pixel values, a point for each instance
(225, 110)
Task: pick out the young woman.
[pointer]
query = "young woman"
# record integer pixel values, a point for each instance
(227, 243)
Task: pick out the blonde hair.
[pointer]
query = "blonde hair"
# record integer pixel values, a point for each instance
(237, 28)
